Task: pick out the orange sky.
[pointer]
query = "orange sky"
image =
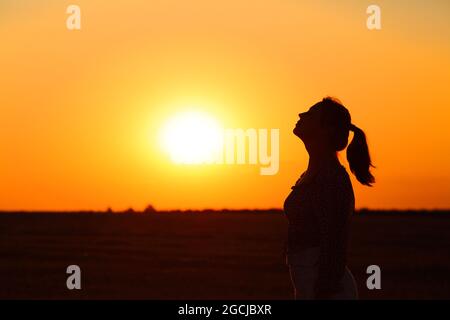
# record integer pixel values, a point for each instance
(80, 111)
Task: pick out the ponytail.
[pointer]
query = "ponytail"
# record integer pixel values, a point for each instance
(359, 158)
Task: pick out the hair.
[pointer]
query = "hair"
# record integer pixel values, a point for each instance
(336, 116)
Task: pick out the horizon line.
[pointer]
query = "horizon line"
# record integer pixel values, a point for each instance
(153, 210)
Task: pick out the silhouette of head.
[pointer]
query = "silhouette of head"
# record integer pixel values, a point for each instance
(326, 126)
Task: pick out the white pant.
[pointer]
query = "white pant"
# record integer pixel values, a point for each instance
(304, 272)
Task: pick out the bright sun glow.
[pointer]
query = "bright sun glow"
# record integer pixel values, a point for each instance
(192, 138)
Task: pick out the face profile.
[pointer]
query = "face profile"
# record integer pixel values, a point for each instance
(308, 126)
(325, 126)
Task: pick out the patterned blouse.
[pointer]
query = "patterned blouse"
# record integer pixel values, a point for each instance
(318, 212)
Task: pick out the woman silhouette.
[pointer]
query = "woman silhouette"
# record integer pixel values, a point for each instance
(321, 203)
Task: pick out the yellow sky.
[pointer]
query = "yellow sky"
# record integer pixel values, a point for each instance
(80, 111)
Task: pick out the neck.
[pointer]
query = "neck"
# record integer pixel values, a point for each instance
(319, 158)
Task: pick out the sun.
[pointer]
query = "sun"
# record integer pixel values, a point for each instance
(192, 138)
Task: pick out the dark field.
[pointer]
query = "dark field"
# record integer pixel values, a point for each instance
(208, 255)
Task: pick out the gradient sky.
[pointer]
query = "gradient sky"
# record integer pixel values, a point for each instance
(80, 110)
